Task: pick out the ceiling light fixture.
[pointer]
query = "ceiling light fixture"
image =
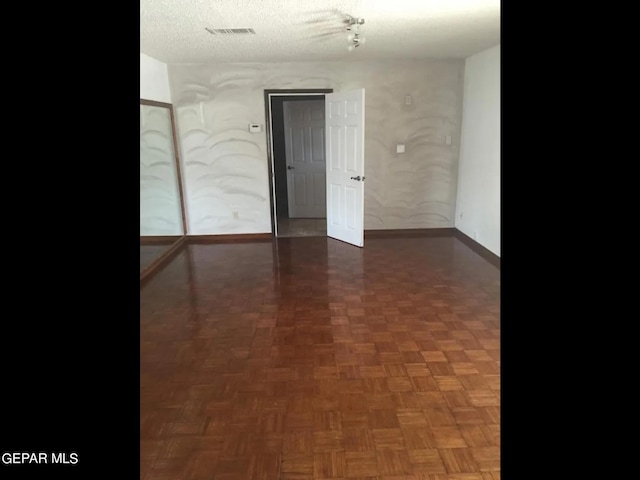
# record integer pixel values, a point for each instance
(354, 38)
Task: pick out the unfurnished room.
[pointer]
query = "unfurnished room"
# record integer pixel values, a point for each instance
(320, 239)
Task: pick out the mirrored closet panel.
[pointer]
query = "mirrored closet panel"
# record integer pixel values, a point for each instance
(162, 220)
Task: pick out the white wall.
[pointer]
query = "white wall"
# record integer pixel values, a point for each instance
(226, 169)
(478, 198)
(154, 80)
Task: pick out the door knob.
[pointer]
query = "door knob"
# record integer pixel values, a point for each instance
(289, 167)
(356, 178)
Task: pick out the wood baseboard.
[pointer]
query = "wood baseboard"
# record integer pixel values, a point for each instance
(230, 238)
(438, 232)
(159, 239)
(485, 253)
(161, 261)
(411, 232)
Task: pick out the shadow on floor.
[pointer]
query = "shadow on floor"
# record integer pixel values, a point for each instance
(302, 227)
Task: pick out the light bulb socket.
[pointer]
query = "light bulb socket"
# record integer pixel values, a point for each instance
(354, 38)
(354, 22)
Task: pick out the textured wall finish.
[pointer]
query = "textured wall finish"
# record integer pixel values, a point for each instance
(159, 196)
(226, 168)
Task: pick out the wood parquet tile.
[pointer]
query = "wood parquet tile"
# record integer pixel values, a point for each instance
(308, 358)
(149, 253)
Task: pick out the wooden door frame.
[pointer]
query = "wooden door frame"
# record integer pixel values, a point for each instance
(268, 93)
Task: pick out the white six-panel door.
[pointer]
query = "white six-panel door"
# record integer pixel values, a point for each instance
(305, 152)
(344, 114)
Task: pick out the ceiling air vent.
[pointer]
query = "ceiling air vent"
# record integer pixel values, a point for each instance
(231, 31)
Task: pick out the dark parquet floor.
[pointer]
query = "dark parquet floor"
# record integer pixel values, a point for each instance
(308, 358)
(149, 253)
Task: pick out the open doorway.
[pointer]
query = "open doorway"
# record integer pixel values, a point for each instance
(296, 139)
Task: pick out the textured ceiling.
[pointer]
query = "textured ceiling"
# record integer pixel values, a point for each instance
(174, 31)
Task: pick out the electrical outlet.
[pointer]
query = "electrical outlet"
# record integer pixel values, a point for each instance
(235, 215)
